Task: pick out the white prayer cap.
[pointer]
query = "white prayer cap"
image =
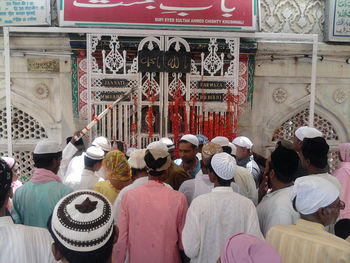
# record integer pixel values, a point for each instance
(137, 159)
(191, 139)
(221, 140)
(169, 143)
(157, 145)
(312, 193)
(224, 165)
(129, 151)
(243, 141)
(307, 132)
(233, 148)
(95, 153)
(103, 143)
(47, 146)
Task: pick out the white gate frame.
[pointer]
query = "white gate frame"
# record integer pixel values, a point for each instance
(312, 38)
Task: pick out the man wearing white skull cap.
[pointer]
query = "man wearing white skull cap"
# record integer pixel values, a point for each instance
(87, 178)
(201, 184)
(202, 238)
(244, 156)
(176, 174)
(299, 135)
(76, 165)
(317, 201)
(188, 149)
(35, 200)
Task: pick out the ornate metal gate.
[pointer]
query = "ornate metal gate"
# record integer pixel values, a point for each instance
(205, 100)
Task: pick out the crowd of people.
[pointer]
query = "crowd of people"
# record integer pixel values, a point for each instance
(218, 202)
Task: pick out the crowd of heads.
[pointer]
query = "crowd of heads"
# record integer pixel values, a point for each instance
(81, 224)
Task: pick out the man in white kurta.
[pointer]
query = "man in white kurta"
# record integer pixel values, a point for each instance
(215, 216)
(201, 184)
(76, 165)
(276, 208)
(87, 177)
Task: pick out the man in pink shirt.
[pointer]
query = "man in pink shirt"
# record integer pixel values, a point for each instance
(151, 217)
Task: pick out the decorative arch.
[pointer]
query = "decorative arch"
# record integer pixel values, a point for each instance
(286, 130)
(325, 121)
(30, 124)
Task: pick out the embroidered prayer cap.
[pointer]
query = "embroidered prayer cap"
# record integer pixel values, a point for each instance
(157, 160)
(47, 146)
(233, 148)
(312, 193)
(243, 141)
(202, 139)
(157, 145)
(82, 221)
(117, 166)
(221, 140)
(5, 177)
(10, 161)
(129, 151)
(103, 143)
(307, 132)
(95, 153)
(246, 248)
(224, 165)
(137, 159)
(169, 143)
(191, 139)
(209, 149)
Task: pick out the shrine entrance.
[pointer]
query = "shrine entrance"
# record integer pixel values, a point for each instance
(181, 85)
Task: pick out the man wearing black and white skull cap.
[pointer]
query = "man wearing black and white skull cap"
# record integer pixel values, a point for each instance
(34, 201)
(245, 157)
(202, 238)
(82, 228)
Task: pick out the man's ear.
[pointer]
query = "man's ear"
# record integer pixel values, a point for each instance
(56, 253)
(116, 234)
(323, 214)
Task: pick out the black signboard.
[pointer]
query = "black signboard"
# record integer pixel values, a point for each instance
(150, 61)
(109, 95)
(118, 83)
(210, 97)
(211, 85)
(177, 62)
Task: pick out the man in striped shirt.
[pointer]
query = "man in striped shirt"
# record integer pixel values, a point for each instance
(317, 201)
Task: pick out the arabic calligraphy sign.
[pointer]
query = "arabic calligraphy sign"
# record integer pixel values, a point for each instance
(150, 61)
(177, 62)
(19, 13)
(237, 15)
(158, 61)
(337, 22)
(43, 65)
